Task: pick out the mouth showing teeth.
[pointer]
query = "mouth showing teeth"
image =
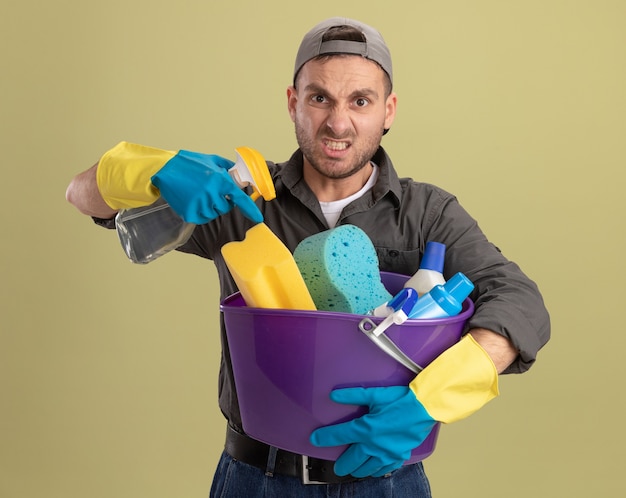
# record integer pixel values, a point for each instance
(332, 145)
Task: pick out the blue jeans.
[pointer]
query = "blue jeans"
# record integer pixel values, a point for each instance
(235, 479)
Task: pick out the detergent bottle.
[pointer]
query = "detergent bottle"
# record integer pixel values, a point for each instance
(149, 232)
(430, 272)
(443, 300)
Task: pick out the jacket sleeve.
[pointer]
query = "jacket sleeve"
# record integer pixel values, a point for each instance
(507, 301)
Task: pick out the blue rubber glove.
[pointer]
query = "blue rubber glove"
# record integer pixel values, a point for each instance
(456, 384)
(199, 189)
(381, 440)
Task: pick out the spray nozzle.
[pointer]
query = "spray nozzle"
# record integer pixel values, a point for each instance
(251, 169)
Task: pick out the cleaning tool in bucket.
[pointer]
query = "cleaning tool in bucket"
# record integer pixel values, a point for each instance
(376, 335)
(286, 362)
(265, 271)
(443, 300)
(402, 302)
(430, 272)
(340, 269)
(395, 312)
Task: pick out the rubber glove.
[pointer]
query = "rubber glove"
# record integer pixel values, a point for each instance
(381, 440)
(197, 186)
(124, 173)
(455, 385)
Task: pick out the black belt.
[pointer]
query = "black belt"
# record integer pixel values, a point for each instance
(310, 470)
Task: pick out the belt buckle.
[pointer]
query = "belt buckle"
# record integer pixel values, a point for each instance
(305, 472)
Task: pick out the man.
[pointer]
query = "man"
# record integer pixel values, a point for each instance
(341, 103)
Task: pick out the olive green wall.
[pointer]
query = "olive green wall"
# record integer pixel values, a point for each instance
(108, 371)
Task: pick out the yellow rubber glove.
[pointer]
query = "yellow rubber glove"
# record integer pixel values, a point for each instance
(124, 174)
(399, 418)
(458, 382)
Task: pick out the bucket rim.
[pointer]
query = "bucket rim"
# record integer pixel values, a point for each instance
(227, 306)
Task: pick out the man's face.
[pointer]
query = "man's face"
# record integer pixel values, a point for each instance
(340, 111)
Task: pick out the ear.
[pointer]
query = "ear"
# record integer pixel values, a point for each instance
(292, 101)
(390, 109)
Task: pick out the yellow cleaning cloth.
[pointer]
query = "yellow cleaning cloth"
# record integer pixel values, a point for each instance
(265, 271)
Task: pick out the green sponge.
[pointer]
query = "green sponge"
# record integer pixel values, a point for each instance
(340, 269)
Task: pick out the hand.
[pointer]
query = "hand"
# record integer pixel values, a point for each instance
(382, 440)
(199, 189)
(456, 384)
(197, 186)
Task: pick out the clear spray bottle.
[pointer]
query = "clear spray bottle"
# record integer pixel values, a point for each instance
(147, 233)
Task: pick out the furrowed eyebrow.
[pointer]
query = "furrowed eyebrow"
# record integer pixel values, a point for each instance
(365, 92)
(362, 92)
(314, 88)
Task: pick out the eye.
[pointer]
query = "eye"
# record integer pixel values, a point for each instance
(318, 99)
(361, 102)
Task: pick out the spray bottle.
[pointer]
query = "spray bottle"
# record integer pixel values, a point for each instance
(149, 232)
(430, 272)
(443, 300)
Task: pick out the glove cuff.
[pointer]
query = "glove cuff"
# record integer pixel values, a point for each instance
(458, 382)
(124, 173)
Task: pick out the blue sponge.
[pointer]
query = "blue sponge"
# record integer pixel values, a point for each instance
(340, 269)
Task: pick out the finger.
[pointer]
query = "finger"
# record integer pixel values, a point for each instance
(370, 467)
(367, 396)
(202, 209)
(350, 460)
(246, 205)
(334, 435)
(352, 396)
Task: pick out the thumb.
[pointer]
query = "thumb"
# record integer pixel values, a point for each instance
(368, 396)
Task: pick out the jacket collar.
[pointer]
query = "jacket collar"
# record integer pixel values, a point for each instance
(387, 183)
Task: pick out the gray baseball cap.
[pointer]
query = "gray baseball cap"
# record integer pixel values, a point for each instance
(374, 48)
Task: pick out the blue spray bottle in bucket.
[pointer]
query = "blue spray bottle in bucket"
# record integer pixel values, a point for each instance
(443, 300)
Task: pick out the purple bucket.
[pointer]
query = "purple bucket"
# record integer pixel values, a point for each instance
(286, 362)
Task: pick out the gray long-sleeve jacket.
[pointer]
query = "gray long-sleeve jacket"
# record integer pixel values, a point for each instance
(399, 216)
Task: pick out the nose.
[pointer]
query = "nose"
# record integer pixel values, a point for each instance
(338, 121)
